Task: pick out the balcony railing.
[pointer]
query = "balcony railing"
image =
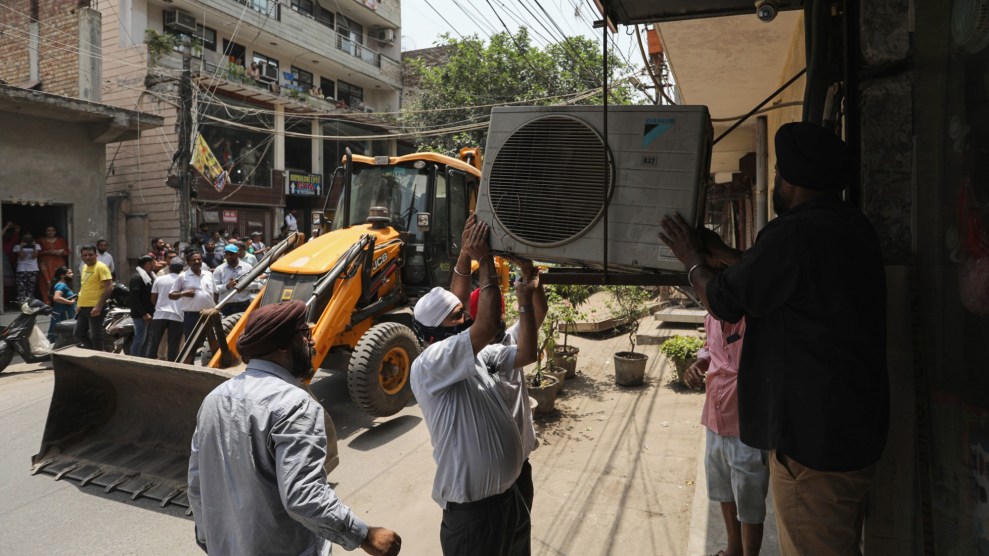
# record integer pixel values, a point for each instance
(271, 8)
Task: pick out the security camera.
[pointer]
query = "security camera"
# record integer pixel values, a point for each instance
(766, 10)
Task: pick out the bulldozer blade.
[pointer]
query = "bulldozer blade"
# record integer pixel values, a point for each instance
(123, 423)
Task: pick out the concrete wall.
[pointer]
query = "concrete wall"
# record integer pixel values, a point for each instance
(64, 167)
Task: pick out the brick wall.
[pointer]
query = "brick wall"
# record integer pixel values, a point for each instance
(58, 46)
(431, 57)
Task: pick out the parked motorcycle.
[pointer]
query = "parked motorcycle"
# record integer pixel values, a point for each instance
(23, 337)
(118, 328)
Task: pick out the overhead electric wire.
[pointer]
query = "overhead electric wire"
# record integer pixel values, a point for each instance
(25, 37)
(450, 25)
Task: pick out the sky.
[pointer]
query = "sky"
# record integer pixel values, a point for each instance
(423, 21)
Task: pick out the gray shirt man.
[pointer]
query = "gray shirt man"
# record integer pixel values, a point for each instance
(277, 500)
(224, 273)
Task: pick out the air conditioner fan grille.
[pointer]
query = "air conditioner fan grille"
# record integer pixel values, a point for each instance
(546, 180)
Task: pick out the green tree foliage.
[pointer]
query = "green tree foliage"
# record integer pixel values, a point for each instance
(505, 69)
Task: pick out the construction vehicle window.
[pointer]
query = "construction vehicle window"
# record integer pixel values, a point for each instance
(400, 189)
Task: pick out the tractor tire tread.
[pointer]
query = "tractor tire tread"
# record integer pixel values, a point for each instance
(362, 376)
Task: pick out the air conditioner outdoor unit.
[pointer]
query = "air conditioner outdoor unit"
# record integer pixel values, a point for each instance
(270, 72)
(180, 21)
(386, 36)
(542, 188)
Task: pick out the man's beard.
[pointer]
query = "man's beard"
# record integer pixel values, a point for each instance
(302, 362)
(779, 205)
(101, 251)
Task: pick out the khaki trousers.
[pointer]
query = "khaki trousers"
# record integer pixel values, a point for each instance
(818, 513)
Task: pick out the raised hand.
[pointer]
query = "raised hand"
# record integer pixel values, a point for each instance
(476, 242)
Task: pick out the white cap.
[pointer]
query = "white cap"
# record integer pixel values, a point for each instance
(433, 308)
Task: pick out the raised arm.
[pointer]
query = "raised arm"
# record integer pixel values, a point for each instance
(460, 283)
(486, 325)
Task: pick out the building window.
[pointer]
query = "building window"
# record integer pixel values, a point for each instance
(329, 87)
(303, 6)
(324, 16)
(246, 154)
(207, 36)
(303, 78)
(267, 67)
(267, 7)
(350, 29)
(350, 94)
(234, 52)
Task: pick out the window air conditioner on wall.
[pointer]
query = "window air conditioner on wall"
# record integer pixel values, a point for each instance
(180, 21)
(386, 36)
(542, 185)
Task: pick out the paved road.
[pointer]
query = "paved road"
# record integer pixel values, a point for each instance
(614, 474)
(41, 516)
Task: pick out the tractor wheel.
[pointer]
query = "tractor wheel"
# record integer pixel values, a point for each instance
(378, 378)
(228, 323)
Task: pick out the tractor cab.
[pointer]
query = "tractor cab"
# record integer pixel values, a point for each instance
(426, 197)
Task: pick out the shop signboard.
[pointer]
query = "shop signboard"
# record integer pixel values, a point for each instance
(230, 216)
(307, 185)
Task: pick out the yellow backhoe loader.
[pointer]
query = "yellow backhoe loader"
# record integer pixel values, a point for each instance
(126, 423)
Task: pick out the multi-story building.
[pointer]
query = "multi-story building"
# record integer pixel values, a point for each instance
(280, 89)
(55, 133)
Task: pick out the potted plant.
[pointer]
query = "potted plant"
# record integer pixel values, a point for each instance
(543, 385)
(158, 44)
(681, 351)
(548, 335)
(236, 72)
(628, 305)
(570, 300)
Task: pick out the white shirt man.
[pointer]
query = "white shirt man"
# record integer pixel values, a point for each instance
(104, 256)
(195, 291)
(291, 222)
(168, 315)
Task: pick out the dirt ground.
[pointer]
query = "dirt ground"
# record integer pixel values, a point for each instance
(616, 466)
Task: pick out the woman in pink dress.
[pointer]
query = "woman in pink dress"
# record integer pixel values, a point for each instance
(52, 255)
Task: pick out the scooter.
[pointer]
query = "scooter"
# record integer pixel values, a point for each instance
(118, 328)
(23, 337)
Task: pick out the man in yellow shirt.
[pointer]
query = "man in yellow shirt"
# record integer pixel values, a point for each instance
(96, 282)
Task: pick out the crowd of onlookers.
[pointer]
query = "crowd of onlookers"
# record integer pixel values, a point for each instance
(32, 268)
(168, 289)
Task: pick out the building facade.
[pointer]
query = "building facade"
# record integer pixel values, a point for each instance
(54, 134)
(280, 90)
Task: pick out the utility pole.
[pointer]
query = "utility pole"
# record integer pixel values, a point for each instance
(184, 154)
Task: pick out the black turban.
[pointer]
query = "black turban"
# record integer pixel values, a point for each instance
(807, 155)
(271, 327)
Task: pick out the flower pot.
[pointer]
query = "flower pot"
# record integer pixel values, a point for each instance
(544, 394)
(566, 357)
(680, 367)
(560, 374)
(630, 368)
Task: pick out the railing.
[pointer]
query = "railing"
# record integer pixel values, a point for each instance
(266, 7)
(358, 51)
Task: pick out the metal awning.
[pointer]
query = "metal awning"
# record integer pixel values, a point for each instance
(631, 12)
